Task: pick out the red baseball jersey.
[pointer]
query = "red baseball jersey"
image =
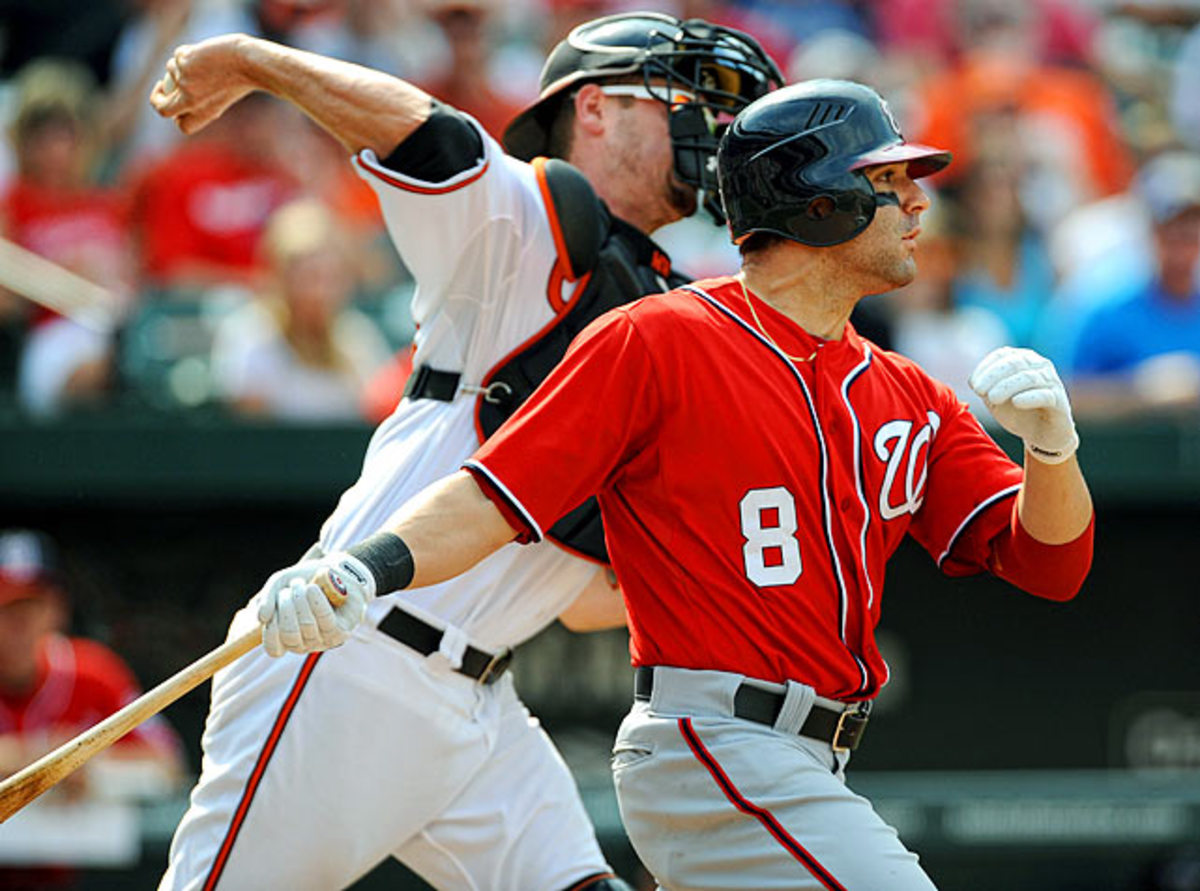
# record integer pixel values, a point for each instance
(750, 501)
(80, 683)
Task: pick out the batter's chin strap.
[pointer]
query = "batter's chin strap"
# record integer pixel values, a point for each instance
(604, 881)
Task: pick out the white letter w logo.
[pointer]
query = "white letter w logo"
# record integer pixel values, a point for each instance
(893, 443)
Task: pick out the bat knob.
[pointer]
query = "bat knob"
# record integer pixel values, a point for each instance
(331, 585)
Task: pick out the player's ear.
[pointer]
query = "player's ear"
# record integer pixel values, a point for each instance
(591, 109)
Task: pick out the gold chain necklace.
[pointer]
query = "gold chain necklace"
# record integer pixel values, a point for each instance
(763, 330)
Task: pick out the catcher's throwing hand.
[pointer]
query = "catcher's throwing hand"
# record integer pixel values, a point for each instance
(1026, 396)
(200, 81)
(314, 605)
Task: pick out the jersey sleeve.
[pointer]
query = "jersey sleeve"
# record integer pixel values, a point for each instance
(1055, 572)
(448, 192)
(586, 420)
(968, 494)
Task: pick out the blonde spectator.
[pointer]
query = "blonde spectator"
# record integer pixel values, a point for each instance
(298, 351)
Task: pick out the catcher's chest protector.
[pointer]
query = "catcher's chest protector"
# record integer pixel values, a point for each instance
(620, 265)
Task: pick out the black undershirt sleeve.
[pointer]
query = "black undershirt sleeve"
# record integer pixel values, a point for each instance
(445, 145)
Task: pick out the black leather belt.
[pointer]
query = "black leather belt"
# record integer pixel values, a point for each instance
(425, 639)
(429, 383)
(843, 730)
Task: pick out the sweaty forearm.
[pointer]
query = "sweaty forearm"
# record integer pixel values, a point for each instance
(360, 107)
(449, 527)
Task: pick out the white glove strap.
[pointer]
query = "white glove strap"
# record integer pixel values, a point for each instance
(1054, 456)
(353, 568)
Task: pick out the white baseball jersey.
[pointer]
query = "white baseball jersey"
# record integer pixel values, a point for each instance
(316, 768)
(482, 252)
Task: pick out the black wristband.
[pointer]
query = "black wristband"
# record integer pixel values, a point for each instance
(388, 558)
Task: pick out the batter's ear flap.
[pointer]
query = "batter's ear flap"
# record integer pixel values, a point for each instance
(577, 216)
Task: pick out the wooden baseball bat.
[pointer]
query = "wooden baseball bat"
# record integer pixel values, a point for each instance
(55, 287)
(30, 782)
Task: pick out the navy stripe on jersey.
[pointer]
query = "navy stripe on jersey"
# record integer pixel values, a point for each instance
(764, 816)
(859, 475)
(509, 497)
(826, 504)
(979, 508)
(859, 469)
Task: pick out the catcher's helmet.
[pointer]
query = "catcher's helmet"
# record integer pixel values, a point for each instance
(791, 163)
(717, 70)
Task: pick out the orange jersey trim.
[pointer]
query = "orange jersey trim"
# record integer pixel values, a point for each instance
(378, 173)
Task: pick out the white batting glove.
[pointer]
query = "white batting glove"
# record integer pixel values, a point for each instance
(1025, 395)
(297, 614)
(269, 614)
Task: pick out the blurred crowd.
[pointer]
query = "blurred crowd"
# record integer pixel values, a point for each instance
(246, 268)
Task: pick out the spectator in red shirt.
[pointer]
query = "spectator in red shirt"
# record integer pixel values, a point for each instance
(201, 208)
(53, 687)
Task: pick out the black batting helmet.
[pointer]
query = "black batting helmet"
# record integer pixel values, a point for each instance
(791, 163)
(713, 69)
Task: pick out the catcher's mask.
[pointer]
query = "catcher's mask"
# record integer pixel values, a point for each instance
(704, 73)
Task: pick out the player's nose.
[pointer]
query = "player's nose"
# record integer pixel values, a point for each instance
(913, 199)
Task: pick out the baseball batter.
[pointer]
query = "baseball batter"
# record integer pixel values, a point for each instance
(412, 742)
(757, 462)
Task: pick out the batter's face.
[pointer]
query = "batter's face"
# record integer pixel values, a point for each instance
(885, 253)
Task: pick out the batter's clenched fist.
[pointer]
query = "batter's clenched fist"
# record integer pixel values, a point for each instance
(314, 605)
(1026, 396)
(200, 81)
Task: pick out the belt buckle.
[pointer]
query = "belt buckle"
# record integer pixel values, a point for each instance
(851, 722)
(496, 667)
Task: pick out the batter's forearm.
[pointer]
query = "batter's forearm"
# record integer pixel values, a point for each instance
(360, 107)
(1054, 505)
(449, 527)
